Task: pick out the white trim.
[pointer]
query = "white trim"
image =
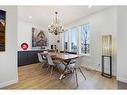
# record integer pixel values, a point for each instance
(8, 83)
(62, 41)
(69, 40)
(79, 41)
(122, 79)
(97, 69)
(90, 67)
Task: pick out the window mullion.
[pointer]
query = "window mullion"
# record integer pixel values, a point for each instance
(79, 41)
(69, 40)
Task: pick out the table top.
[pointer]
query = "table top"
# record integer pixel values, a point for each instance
(62, 56)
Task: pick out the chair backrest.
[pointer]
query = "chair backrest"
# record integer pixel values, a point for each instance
(44, 56)
(40, 58)
(45, 51)
(61, 51)
(49, 59)
(78, 62)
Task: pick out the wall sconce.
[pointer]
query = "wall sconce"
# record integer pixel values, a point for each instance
(107, 53)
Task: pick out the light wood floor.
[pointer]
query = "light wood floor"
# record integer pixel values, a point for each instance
(35, 77)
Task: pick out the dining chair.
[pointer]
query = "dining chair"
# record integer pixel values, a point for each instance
(77, 66)
(52, 64)
(41, 59)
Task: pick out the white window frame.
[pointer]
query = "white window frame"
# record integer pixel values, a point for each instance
(78, 40)
(88, 54)
(64, 40)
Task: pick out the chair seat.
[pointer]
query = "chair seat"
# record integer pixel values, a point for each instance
(57, 61)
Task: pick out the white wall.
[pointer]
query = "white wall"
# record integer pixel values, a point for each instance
(8, 59)
(122, 45)
(25, 34)
(102, 23)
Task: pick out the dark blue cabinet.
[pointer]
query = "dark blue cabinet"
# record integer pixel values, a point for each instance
(28, 57)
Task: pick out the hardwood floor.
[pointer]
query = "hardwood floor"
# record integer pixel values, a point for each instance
(35, 77)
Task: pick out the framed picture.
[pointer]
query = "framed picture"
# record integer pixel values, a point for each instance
(2, 29)
(39, 38)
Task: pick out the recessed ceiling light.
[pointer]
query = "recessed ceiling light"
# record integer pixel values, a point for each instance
(30, 17)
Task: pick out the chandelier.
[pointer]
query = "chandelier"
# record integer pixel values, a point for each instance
(56, 26)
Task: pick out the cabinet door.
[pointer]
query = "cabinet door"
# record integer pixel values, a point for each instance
(33, 57)
(27, 57)
(22, 58)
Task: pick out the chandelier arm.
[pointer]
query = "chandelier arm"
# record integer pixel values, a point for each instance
(56, 17)
(56, 27)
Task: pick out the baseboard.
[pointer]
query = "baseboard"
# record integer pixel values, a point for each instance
(122, 79)
(96, 69)
(90, 68)
(8, 83)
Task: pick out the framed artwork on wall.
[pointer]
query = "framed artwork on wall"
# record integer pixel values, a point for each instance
(39, 38)
(2, 29)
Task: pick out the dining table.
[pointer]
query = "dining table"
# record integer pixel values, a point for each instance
(65, 58)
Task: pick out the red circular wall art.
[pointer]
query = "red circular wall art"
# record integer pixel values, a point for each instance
(24, 46)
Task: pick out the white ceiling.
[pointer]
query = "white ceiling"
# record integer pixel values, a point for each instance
(43, 15)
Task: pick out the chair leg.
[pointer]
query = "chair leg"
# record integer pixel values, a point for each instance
(76, 77)
(61, 76)
(43, 65)
(82, 73)
(58, 69)
(51, 70)
(48, 68)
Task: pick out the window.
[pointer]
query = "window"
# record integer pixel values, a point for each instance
(85, 38)
(65, 40)
(78, 45)
(74, 40)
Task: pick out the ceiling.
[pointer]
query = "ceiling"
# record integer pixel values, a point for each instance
(43, 15)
